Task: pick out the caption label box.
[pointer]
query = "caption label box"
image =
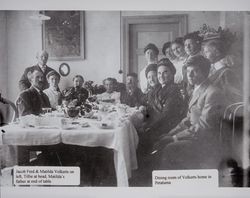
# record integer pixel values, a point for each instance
(204, 178)
(46, 175)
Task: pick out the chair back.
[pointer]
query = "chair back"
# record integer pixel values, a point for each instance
(231, 129)
(8, 110)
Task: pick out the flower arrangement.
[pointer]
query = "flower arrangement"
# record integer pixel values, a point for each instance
(224, 35)
(94, 88)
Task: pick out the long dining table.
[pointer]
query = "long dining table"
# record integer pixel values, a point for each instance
(123, 139)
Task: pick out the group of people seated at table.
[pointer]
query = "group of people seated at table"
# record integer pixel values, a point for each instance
(182, 97)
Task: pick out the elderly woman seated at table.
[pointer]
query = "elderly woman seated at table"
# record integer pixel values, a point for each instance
(164, 106)
(110, 95)
(53, 92)
(76, 94)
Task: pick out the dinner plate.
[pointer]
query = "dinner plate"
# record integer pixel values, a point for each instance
(85, 124)
(105, 126)
(70, 127)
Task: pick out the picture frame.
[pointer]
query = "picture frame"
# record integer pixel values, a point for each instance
(64, 69)
(63, 35)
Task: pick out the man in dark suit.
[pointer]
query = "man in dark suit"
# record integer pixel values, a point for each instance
(32, 100)
(194, 142)
(132, 95)
(42, 58)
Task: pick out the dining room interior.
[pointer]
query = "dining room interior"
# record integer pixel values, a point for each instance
(108, 44)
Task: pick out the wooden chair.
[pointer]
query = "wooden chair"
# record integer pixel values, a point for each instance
(231, 129)
(9, 114)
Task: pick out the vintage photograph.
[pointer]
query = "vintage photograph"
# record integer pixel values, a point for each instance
(121, 94)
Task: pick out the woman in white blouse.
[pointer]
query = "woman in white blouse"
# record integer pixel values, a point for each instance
(181, 56)
(110, 95)
(53, 91)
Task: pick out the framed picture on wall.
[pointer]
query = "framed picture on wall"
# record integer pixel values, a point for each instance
(63, 35)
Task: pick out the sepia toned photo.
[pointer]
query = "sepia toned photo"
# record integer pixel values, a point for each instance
(120, 94)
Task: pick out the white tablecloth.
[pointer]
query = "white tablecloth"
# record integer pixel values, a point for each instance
(122, 139)
(15, 135)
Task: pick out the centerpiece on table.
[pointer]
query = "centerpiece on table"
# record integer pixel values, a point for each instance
(72, 109)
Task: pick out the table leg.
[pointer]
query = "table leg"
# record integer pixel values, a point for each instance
(22, 155)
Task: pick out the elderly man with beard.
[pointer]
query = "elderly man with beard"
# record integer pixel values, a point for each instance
(42, 59)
